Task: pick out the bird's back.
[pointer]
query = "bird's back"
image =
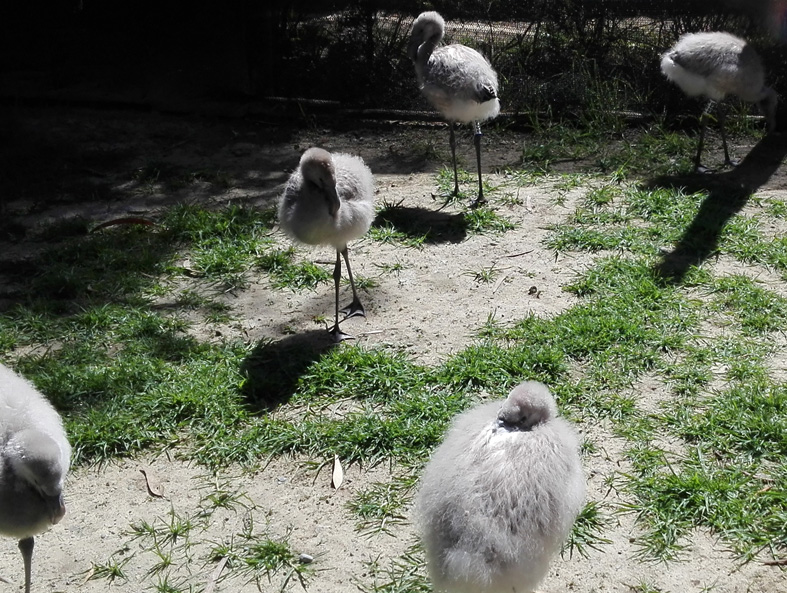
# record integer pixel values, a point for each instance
(303, 211)
(22, 407)
(715, 65)
(460, 83)
(495, 505)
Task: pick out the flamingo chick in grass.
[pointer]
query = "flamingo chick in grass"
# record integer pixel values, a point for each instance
(500, 494)
(35, 460)
(457, 80)
(329, 200)
(714, 65)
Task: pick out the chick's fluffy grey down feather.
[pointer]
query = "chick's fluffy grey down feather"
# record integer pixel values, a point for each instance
(495, 504)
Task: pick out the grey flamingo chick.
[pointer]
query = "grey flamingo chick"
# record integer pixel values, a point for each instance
(457, 80)
(714, 65)
(329, 200)
(35, 460)
(500, 494)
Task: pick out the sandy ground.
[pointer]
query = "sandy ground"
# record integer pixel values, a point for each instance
(432, 307)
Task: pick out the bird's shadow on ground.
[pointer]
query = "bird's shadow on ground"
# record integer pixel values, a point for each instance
(728, 194)
(433, 226)
(273, 368)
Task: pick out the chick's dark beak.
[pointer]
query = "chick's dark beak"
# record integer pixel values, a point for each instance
(57, 507)
(333, 200)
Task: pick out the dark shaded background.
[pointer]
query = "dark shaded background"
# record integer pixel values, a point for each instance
(243, 55)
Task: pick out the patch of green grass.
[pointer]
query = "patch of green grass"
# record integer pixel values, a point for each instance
(361, 374)
(748, 420)
(445, 182)
(723, 478)
(524, 177)
(480, 220)
(222, 495)
(164, 562)
(484, 275)
(777, 208)
(418, 227)
(664, 207)
(383, 504)
(603, 195)
(406, 574)
(263, 558)
(305, 275)
(629, 322)
(220, 245)
(169, 531)
(571, 238)
(158, 384)
(365, 282)
(646, 221)
(285, 273)
(726, 498)
(394, 268)
(110, 570)
(169, 584)
(383, 407)
(629, 152)
(691, 374)
(587, 216)
(493, 365)
(468, 185)
(115, 264)
(388, 233)
(555, 141)
(742, 238)
(645, 587)
(587, 530)
(757, 309)
(367, 434)
(655, 151)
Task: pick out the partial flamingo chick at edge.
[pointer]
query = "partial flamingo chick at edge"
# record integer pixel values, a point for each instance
(500, 495)
(714, 65)
(329, 200)
(35, 460)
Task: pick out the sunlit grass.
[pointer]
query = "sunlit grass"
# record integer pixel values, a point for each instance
(130, 375)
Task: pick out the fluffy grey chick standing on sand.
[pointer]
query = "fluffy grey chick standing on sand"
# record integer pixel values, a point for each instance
(34, 460)
(329, 200)
(500, 494)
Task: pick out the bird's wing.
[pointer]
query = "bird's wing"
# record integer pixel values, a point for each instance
(486, 92)
(693, 63)
(459, 68)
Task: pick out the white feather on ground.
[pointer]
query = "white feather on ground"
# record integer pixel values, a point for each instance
(35, 460)
(329, 200)
(500, 494)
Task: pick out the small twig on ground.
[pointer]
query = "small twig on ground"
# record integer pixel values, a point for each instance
(777, 562)
(153, 489)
